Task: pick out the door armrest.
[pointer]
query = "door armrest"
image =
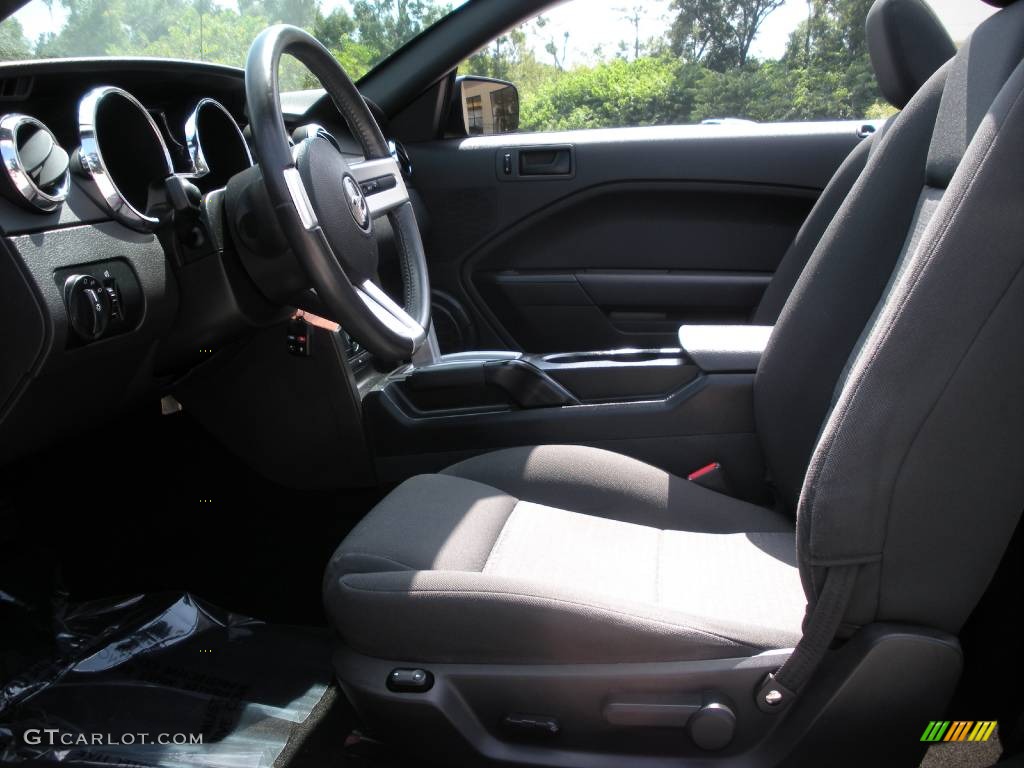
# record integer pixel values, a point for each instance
(725, 348)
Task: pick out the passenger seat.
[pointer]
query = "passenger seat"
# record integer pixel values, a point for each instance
(908, 44)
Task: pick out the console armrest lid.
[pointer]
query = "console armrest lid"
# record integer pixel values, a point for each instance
(720, 348)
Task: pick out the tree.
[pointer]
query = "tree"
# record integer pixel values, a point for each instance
(510, 57)
(337, 32)
(386, 25)
(552, 49)
(633, 16)
(13, 45)
(752, 93)
(747, 23)
(225, 39)
(301, 13)
(500, 58)
(335, 29)
(108, 26)
(612, 93)
(700, 67)
(718, 33)
(829, 64)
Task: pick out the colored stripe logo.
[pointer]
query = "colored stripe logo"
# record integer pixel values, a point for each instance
(959, 730)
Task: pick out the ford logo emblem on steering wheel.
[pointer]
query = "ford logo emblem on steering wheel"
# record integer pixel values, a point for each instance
(357, 203)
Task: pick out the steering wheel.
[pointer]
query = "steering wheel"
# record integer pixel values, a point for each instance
(326, 206)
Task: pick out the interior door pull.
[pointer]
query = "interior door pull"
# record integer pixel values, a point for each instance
(549, 161)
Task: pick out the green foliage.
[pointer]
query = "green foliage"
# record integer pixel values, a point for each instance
(703, 70)
(13, 45)
(828, 61)
(384, 25)
(699, 68)
(337, 31)
(219, 35)
(880, 110)
(110, 25)
(751, 93)
(616, 92)
(301, 13)
(509, 57)
(206, 30)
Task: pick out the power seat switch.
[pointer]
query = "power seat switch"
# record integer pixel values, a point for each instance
(298, 337)
(410, 681)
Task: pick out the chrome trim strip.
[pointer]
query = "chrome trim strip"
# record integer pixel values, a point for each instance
(16, 171)
(389, 313)
(365, 170)
(200, 167)
(91, 158)
(297, 191)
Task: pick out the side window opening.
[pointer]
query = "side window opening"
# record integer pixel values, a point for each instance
(611, 64)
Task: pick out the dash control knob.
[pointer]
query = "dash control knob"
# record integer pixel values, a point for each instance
(88, 305)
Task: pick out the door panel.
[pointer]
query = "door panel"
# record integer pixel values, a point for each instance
(640, 230)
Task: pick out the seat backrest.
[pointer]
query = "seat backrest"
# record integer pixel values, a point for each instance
(917, 475)
(907, 43)
(837, 292)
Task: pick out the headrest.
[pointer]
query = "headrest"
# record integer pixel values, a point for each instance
(908, 44)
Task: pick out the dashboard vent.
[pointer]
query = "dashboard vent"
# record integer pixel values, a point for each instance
(15, 88)
(36, 168)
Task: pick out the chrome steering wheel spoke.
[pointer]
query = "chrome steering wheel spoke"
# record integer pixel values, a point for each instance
(387, 311)
(382, 184)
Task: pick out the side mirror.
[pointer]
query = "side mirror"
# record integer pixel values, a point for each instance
(488, 106)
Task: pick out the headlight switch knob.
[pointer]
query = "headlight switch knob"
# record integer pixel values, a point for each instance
(88, 306)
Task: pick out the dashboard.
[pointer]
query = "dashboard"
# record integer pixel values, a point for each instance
(104, 303)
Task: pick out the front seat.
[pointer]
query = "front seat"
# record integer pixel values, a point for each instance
(562, 605)
(907, 44)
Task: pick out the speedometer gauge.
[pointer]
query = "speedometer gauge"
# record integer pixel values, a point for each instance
(215, 144)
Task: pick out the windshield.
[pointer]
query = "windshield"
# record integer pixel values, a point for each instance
(360, 33)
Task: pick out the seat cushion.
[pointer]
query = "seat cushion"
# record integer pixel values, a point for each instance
(596, 482)
(449, 569)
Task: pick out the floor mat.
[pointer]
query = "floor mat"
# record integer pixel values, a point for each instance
(164, 681)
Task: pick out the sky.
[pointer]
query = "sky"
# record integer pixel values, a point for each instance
(601, 23)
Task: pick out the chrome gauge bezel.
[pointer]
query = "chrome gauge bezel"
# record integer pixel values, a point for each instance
(194, 139)
(33, 194)
(91, 157)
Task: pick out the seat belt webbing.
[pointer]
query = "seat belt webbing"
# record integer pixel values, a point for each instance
(779, 689)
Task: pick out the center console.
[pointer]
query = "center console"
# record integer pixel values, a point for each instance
(481, 381)
(679, 408)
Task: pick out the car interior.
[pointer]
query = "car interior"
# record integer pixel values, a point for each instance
(341, 436)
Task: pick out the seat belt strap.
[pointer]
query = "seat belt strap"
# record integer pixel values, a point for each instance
(780, 688)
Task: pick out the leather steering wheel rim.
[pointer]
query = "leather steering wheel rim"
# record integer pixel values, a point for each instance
(338, 255)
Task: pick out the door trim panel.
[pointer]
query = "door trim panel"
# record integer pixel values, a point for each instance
(776, 171)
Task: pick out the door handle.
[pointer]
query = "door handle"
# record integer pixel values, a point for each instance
(546, 161)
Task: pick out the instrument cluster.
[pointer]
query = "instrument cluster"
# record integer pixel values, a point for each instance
(122, 156)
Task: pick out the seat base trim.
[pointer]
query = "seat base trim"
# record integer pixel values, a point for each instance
(460, 719)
